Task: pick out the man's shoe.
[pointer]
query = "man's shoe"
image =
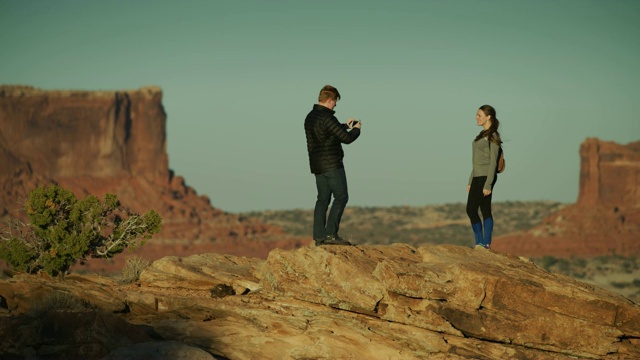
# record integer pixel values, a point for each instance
(318, 242)
(335, 240)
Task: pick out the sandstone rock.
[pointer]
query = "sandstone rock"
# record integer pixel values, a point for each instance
(466, 289)
(609, 174)
(173, 350)
(361, 302)
(86, 134)
(24, 294)
(203, 272)
(87, 334)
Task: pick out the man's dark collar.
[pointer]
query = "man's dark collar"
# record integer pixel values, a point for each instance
(322, 108)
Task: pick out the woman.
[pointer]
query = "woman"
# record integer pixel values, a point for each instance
(486, 148)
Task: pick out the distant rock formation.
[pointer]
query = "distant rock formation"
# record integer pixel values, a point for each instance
(86, 134)
(609, 174)
(330, 302)
(605, 219)
(98, 142)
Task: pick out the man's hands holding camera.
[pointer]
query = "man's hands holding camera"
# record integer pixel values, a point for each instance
(354, 124)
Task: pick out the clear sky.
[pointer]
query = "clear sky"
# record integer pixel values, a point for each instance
(240, 76)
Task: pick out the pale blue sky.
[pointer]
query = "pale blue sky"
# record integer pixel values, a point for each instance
(240, 76)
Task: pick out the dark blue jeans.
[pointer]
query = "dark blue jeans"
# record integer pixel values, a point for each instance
(334, 183)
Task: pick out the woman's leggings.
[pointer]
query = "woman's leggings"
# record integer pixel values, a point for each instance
(476, 199)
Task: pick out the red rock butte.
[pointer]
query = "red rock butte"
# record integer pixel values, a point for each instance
(98, 142)
(606, 218)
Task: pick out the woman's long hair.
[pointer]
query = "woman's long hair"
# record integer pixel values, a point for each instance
(491, 133)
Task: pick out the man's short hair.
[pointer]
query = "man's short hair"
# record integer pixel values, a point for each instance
(328, 92)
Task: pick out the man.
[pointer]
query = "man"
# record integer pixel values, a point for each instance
(325, 135)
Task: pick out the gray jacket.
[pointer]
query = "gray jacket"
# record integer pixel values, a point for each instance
(484, 161)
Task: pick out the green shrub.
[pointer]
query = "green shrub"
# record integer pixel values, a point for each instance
(63, 230)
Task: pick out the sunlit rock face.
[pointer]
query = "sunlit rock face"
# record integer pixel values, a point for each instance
(329, 302)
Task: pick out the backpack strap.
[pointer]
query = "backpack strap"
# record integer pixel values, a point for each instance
(498, 170)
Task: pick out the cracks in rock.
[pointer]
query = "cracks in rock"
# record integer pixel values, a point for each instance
(442, 300)
(627, 337)
(362, 312)
(484, 296)
(436, 299)
(509, 343)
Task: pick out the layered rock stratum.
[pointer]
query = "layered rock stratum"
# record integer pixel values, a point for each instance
(606, 218)
(362, 302)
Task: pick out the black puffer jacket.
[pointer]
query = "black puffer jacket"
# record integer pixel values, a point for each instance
(325, 136)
